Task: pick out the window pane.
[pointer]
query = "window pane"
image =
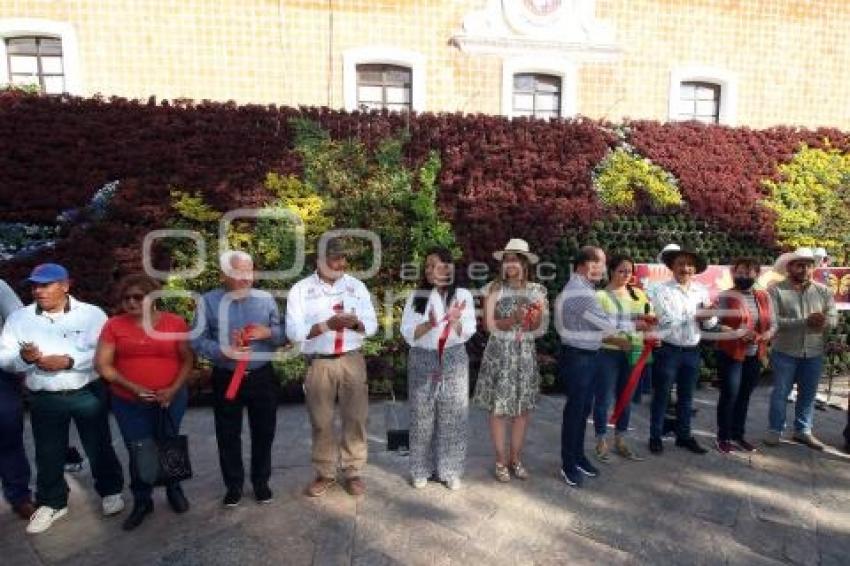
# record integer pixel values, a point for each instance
(24, 79)
(706, 92)
(398, 107)
(50, 46)
(51, 65)
(548, 102)
(548, 83)
(706, 108)
(369, 74)
(397, 75)
(686, 91)
(21, 45)
(23, 64)
(54, 85)
(524, 82)
(524, 102)
(369, 94)
(398, 95)
(686, 107)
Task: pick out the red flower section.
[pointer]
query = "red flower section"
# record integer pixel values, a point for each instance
(720, 169)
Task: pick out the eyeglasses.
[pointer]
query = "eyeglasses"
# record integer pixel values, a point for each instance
(138, 297)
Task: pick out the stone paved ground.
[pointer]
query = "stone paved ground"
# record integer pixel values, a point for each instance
(783, 505)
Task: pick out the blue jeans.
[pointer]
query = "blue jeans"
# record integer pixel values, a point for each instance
(737, 381)
(137, 421)
(14, 467)
(644, 386)
(578, 370)
(612, 374)
(787, 370)
(673, 364)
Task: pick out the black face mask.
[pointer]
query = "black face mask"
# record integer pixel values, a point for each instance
(744, 283)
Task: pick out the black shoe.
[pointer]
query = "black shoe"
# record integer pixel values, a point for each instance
(176, 498)
(263, 494)
(573, 478)
(141, 509)
(232, 497)
(691, 444)
(588, 469)
(656, 446)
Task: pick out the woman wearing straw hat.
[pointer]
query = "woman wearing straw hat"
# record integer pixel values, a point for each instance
(515, 311)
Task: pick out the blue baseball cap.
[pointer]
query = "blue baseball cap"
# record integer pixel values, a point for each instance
(48, 273)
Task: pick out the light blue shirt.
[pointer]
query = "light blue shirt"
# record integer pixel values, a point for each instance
(584, 323)
(222, 315)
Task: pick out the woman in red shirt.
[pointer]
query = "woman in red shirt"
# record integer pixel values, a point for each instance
(147, 373)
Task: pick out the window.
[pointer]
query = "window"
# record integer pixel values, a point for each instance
(384, 86)
(380, 76)
(536, 95)
(699, 101)
(36, 61)
(707, 94)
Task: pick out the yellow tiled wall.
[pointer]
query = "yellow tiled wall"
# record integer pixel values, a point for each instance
(791, 57)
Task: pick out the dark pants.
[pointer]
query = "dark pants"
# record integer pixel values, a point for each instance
(578, 370)
(14, 467)
(847, 428)
(258, 394)
(139, 420)
(737, 381)
(51, 415)
(673, 365)
(613, 371)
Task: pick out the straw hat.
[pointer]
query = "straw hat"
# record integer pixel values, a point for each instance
(517, 246)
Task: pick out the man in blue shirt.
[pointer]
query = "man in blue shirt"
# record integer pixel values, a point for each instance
(582, 325)
(239, 322)
(14, 467)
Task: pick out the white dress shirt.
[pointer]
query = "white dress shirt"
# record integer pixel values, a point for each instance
(71, 333)
(311, 301)
(410, 319)
(676, 308)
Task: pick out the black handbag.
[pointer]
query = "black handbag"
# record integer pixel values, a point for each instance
(173, 452)
(164, 458)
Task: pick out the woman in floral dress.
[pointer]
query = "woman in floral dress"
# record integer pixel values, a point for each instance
(515, 314)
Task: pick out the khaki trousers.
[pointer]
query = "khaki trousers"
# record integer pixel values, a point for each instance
(342, 378)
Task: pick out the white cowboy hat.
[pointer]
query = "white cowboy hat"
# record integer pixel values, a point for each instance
(667, 248)
(516, 246)
(672, 251)
(800, 254)
(820, 254)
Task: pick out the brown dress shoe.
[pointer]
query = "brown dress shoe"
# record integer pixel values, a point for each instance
(355, 486)
(319, 486)
(24, 509)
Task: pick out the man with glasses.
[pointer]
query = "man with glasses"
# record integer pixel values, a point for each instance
(53, 342)
(805, 310)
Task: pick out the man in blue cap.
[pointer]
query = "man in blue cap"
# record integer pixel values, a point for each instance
(52, 342)
(14, 467)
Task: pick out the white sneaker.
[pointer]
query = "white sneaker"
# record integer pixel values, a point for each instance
(113, 504)
(43, 517)
(453, 484)
(419, 483)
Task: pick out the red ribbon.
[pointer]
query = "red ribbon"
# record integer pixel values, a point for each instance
(339, 338)
(629, 390)
(241, 365)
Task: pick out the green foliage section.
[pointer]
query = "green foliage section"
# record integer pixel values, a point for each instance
(811, 200)
(345, 185)
(623, 177)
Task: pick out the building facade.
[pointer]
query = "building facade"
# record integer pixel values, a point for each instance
(739, 62)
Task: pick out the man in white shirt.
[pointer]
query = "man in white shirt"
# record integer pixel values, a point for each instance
(52, 342)
(330, 314)
(681, 306)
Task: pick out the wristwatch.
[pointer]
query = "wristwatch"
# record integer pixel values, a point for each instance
(70, 363)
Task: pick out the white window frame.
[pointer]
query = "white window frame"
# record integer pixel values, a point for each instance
(561, 68)
(18, 27)
(381, 55)
(726, 80)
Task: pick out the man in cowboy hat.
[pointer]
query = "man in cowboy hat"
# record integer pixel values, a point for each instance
(330, 314)
(680, 305)
(52, 342)
(805, 310)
